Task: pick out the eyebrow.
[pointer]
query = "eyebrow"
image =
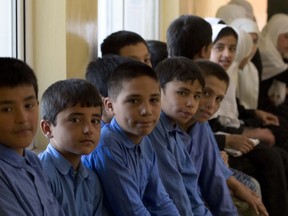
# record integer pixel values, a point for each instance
(137, 95)
(31, 97)
(81, 114)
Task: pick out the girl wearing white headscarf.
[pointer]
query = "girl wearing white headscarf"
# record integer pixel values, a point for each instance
(247, 6)
(229, 12)
(275, 70)
(248, 77)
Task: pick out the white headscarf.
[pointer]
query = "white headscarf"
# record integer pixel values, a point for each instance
(272, 61)
(229, 12)
(248, 78)
(246, 5)
(213, 20)
(228, 111)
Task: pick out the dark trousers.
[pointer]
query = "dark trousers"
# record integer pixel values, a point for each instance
(269, 165)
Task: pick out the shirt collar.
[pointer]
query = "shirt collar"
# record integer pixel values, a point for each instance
(12, 157)
(63, 165)
(128, 143)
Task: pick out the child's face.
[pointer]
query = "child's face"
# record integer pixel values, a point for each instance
(77, 130)
(180, 100)
(223, 51)
(139, 52)
(213, 94)
(18, 116)
(282, 44)
(137, 107)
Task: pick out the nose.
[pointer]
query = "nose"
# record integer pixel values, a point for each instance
(226, 52)
(190, 102)
(87, 128)
(210, 104)
(21, 116)
(145, 109)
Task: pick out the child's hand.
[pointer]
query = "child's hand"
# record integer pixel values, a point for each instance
(225, 158)
(239, 142)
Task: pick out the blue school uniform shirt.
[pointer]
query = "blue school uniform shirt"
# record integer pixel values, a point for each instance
(24, 187)
(176, 169)
(210, 167)
(79, 193)
(129, 174)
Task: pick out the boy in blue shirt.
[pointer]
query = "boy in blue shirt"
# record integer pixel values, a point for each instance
(71, 115)
(98, 72)
(24, 187)
(125, 160)
(204, 152)
(127, 44)
(181, 84)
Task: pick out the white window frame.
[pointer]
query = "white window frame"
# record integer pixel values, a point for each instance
(115, 15)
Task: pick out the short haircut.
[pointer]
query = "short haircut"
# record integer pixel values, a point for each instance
(210, 68)
(187, 35)
(14, 72)
(178, 68)
(158, 51)
(117, 40)
(226, 31)
(98, 71)
(126, 72)
(68, 93)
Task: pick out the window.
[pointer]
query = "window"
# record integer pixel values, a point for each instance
(13, 28)
(140, 16)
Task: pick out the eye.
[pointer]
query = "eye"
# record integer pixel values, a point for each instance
(29, 106)
(219, 48)
(206, 93)
(183, 93)
(133, 101)
(75, 120)
(197, 97)
(232, 49)
(6, 109)
(219, 99)
(155, 100)
(95, 121)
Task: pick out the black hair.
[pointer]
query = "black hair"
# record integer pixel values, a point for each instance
(68, 93)
(158, 51)
(187, 35)
(178, 68)
(99, 70)
(125, 72)
(210, 68)
(117, 40)
(226, 31)
(14, 72)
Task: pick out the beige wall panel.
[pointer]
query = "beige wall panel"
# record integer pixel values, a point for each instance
(49, 48)
(81, 35)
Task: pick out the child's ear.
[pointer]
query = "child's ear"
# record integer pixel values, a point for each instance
(108, 105)
(46, 129)
(205, 52)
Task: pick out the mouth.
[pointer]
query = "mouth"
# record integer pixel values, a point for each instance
(187, 115)
(146, 124)
(205, 114)
(23, 131)
(87, 142)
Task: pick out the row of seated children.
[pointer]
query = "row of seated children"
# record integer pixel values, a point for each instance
(92, 76)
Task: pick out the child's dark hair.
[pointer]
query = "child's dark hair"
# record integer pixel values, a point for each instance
(210, 68)
(187, 35)
(226, 31)
(117, 40)
(14, 72)
(158, 51)
(178, 68)
(99, 71)
(126, 72)
(68, 93)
